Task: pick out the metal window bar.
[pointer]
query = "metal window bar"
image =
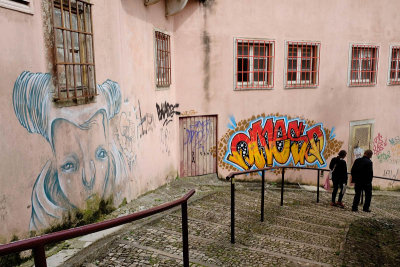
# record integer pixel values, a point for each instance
(302, 64)
(163, 59)
(254, 64)
(395, 66)
(76, 76)
(38, 243)
(232, 175)
(364, 65)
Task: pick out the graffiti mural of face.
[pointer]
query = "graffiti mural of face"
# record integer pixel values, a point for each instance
(82, 165)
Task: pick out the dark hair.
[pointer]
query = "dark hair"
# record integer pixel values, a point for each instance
(342, 153)
(368, 153)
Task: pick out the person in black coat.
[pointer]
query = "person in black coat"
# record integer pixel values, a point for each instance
(362, 174)
(339, 177)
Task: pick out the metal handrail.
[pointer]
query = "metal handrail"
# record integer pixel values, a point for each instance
(37, 243)
(232, 175)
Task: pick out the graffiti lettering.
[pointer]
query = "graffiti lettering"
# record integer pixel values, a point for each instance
(189, 113)
(145, 122)
(384, 156)
(166, 112)
(396, 150)
(391, 174)
(276, 141)
(395, 140)
(379, 144)
(197, 134)
(132, 127)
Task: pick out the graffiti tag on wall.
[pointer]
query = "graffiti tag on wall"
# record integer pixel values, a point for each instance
(189, 112)
(166, 112)
(197, 134)
(264, 140)
(275, 141)
(379, 144)
(133, 125)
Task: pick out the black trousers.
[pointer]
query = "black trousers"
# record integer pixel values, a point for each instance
(336, 185)
(367, 188)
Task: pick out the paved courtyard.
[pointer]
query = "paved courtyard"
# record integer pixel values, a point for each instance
(301, 233)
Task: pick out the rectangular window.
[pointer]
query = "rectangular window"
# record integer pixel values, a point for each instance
(74, 50)
(163, 59)
(254, 64)
(394, 72)
(364, 65)
(302, 64)
(25, 6)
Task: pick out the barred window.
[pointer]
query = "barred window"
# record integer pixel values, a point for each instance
(74, 50)
(163, 59)
(394, 72)
(254, 64)
(364, 65)
(302, 64)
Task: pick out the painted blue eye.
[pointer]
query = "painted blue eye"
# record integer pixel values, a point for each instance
(101, 153)
(68, 167)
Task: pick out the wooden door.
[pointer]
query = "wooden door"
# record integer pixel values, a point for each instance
(360, 140)
(198, 135)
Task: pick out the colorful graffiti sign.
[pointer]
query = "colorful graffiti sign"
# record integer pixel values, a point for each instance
(85, 162)
(277, 141)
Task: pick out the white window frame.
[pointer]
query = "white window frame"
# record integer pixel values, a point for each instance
(25, 7)
(394, 81)
(360, 82)
(259, 84)
(304, 83)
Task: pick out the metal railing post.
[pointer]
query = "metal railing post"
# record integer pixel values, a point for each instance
(318, 187)
(39, 256)
(283, 181)
(185, 235)
(262, 195)
(232, 210)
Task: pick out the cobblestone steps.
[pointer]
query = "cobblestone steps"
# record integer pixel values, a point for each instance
(300, 233)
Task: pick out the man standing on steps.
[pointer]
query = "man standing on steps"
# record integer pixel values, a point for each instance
(362, 175)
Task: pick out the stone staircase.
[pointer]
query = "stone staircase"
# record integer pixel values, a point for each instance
(301, 233)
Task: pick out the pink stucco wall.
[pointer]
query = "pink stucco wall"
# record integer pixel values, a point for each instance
(202, 43)
(335, 24)
(124, 53)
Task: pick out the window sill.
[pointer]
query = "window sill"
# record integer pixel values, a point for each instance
(362, 85)
(301, 86)
(253, 89)
(27, 9)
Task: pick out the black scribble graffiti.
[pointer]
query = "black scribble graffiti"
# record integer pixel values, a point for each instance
(193, 159)
(132, 127)
(145, 122)
(166, 112)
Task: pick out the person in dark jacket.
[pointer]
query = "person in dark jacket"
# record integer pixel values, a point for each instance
(362, 175)
(339, 177)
